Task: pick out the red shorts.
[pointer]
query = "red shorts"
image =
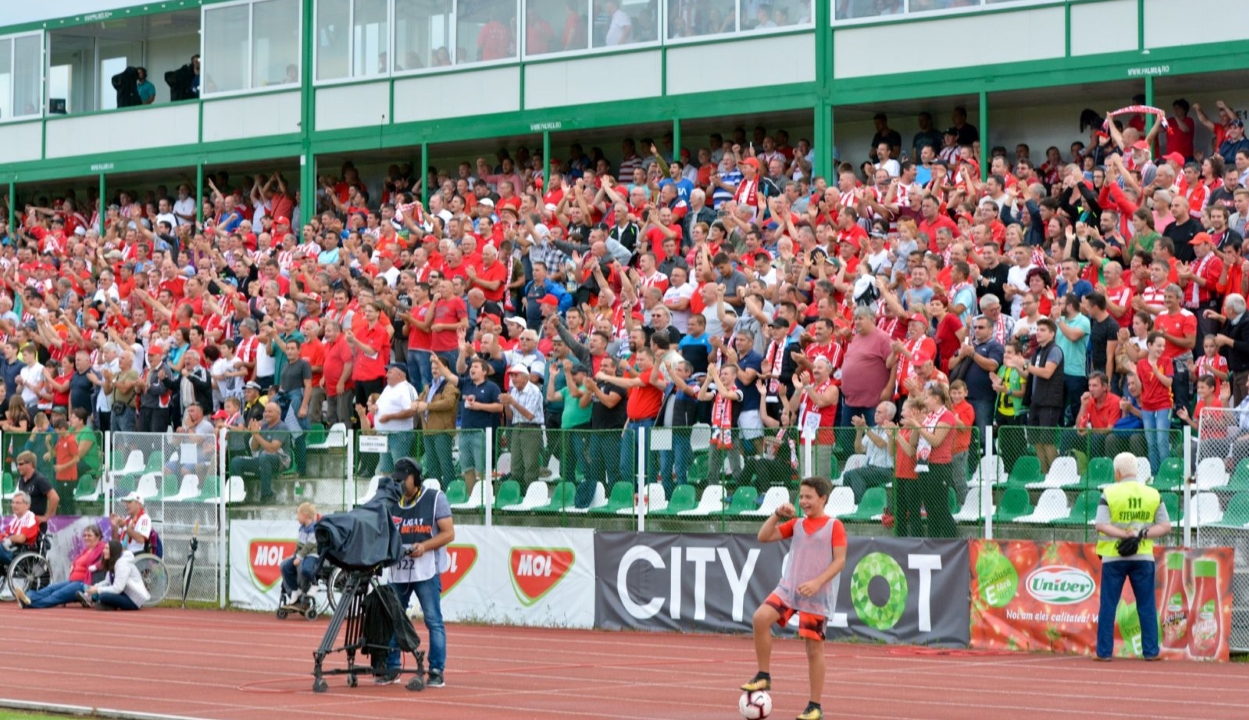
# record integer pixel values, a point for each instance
(810, 625)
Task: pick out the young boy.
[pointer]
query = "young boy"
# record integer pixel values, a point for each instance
(966, 415)
(300, 570)
(808, 588)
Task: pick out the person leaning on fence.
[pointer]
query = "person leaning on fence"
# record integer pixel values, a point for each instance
(299, 571)
(1129, 516)
(270, 455)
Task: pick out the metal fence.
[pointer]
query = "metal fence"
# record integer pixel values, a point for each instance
(1218, 509)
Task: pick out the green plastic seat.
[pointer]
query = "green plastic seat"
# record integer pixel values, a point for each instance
(457, 492)
(1171, 502)
(316, 434)
(744, 498)
(1101, 472)
(954, 503)
(1027, 470)
(509, 494)
(1239, 482)
(8, 485)
(684, 497)
(1084, 509)
(1015, 503)
(1237, 513)
(210, 488)
(834, 471)
(872, 504)
(1171, 475)
(561, 498)
(621, 497)
(698, 468)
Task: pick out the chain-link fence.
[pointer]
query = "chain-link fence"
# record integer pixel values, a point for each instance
(179, 478)
(1218, 504)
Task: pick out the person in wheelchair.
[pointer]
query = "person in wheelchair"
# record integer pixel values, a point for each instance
(21, 531)
(85, 565)
(122, 588)
(299, 572)
(135, 527)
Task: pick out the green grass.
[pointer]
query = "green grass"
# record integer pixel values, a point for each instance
(12, 715)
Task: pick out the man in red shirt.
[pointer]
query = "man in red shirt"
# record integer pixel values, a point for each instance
(642, 406)
(336, 374)
(492, 278)
(313, 350)
(450, 317)
(1179, 327)
(370, 344)
(933, 219)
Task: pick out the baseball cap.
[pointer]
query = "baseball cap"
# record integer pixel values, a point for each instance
(486, 201)
(490, 316)
(516, 320)
(253, 385)
(1236, 123)
(518, 369)
(1201, 238)
(919, 318)
(1140, 145)
(753, 162)
(922, 357)
(133, 497)
(549, 300)
(952, 131)
(220, 415)
(398, 366)
(578, 367)
(1174, 157)
(779, 323)
(282, 220)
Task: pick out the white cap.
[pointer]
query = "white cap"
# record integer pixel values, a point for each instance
(133, 497)
(518, 368)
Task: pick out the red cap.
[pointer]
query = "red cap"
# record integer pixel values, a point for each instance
(1174, 157)
(1200, 238)
(753, 162)
(386, 254)
(282, 220)
(220, 415)
(492, 317)
(919, 318)
(549, 300)
(155, 350)
(1140, 145)
(921, 357)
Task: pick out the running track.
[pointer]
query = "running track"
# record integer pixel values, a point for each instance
(244, 666)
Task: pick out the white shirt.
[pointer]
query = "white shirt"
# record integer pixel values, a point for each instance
(396, 399)
(680, 318)
(1017, 278)
(32, 376)
(104, 401)
(26, 525)
(890, 166)
(142, 526)
(226, 386)
(619, 22)
(531, 399)
(185, 206)
(168, 218)
(265, 364)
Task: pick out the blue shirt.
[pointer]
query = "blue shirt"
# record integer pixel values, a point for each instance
(684, 187)
(147, 91)
(485, 393)
(1081, 288)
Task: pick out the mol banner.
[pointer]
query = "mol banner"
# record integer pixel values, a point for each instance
(257, 549)
(1045, 596)
(520, 576)
(896, 590)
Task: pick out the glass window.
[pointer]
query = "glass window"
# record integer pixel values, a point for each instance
(226, 49)
(275, 43)
(115, 56)
(693, 18)
(852, 9)
(27, 75)
(624, 22)
(6, 79)
(485, 30)
(557, 26)
(772, 14)
(332, 51)
(422, 33)
(371, 36)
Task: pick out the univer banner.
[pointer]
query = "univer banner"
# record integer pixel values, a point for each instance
(896, 590)
(520, 576)
(257, 549)
(1046, 596)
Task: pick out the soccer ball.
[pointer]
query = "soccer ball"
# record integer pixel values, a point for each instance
(755, 705)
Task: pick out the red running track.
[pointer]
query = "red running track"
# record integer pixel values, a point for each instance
(244, 666)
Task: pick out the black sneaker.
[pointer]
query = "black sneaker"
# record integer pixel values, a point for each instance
(435, 679)
(390, 677)
(84, 599)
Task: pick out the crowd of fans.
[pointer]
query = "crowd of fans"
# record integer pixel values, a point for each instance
(1094, 288)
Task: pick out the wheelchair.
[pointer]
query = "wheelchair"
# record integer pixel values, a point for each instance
(324, 595)
(29, 570)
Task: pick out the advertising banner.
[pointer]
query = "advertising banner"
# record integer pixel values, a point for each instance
(257, 549)
(520, 576)
(897, 590)
(1028, 595)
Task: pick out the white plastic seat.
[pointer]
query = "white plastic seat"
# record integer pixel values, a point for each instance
(710, 503)
(599, 500)
(433, 484)
(188, 490)
(536, 495)
(234, 492)
(134, 465)
(992, 471)
(370, 490)
(474, 501)
(1051, 506)
(970, 512)
(1063, 473)
(772, 499)
(700, 437)
(149, 485)
(335, 437)
(1144, 473)
(1211, 473)
(854, 462)
(1206, 509)
(655, 498)
(841, 502)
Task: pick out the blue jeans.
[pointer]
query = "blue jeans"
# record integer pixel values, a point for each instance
(429, 595)
(629, 446)
(116, 601)
(399, 444)
(302, 576)
(848, 411)
(438, 462)
(1141, 575)
(674, 464)
(604, 446)
(6, 556)
(1157, 436)
(420, 372)
(56, 595)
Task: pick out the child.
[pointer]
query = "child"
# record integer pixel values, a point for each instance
(305, 561)
(1211, 363)
(808, 588)
(1211, 430)
(966, 415)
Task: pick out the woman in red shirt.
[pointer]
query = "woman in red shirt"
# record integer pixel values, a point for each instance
(906, 491)
(1156, 373)
(87, 562)
(934, 456)
(817, 415)
(950, 331)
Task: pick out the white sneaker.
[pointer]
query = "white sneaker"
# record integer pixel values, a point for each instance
(293, 598)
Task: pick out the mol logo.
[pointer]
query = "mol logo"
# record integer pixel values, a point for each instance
(460, 559)
(536, 571)
(1060, 585)
(265, 560)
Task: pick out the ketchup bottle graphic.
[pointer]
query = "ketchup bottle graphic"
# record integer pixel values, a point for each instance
(1174, 604)
(1207, 620)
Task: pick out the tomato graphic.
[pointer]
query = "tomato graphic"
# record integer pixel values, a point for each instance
(1023, 554)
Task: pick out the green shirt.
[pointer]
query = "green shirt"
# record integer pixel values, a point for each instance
(92, 459)
(1145, 242)
(1075, 354)
(1008, 405)
(574, 415)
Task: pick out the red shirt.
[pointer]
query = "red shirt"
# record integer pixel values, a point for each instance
(644, 401)
(313, 350)
(337, 355)
(419, 339)
(497, 272)
(944, 453)
(378, 340)
(1122, 295)
(903, 464)
(1103, 415)
(962, 438)
(1179, 324)
(448, 311)
(812, 525)
(1154, 395)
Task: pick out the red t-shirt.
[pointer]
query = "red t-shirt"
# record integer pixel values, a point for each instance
(1154, 395)
(497, 272)
(378, 340)
(944, 453)
(813, 525)
(337, 355)
(903, 464)
(947, 340)
(313, 351)
(1180, 324)
(1105, 415)
(644, 401)
(419, 339)
(448, 311)
(962, 438)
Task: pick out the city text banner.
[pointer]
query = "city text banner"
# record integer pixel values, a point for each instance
(896, 590)
(1029, 596)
